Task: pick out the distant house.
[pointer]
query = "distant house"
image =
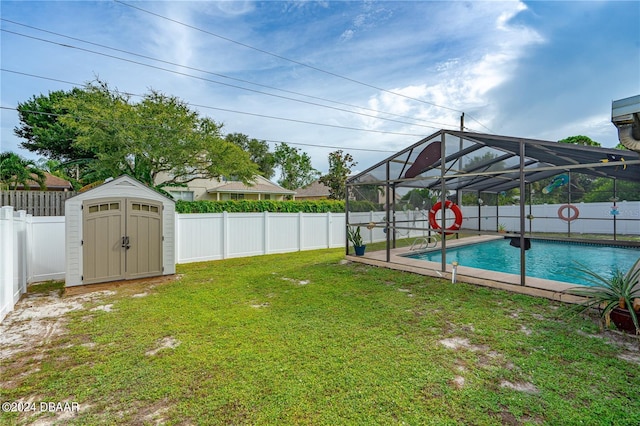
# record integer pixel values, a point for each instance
(52, 183)
(314, 191)
(224, 189)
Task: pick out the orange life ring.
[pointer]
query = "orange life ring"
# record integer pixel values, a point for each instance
(447, 205)
(574, 209)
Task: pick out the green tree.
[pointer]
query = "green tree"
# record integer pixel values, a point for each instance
(42, 131)
(160, 140)
(15, 171)
(295, 167)
(580, 140)
(421, 198)
(602, 191)
(340, 165)
(258, 152)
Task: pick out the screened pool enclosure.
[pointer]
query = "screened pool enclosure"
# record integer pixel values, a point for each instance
(455, 183)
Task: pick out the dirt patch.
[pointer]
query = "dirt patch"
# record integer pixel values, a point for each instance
(38, 318)
(462, 343)
(154, 414)
(458, 382)
(520, 386)
(104, 308)
(299, 282)
(164, 343)
(121, 285)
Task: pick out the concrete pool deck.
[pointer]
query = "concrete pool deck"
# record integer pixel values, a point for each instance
(533, 286)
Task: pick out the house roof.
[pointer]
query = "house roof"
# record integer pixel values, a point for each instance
(493, 163)
(260, 186)
(51, 182)
(314, 189)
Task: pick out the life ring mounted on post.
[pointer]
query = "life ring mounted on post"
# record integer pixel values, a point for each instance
(574, 215)
(457, 224)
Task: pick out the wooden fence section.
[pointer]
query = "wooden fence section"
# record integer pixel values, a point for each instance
(36, 203)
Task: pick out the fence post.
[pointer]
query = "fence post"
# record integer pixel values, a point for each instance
(29, 243)
(265, 231)
(225, 235)
(176, 237)
(22, 250)
(329, 229)
(300, 230)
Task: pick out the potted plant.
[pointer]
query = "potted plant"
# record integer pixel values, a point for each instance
(617, 297)
(353, 234)
(502, 228)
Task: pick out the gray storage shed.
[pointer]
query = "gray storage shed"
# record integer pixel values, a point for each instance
(120, 230)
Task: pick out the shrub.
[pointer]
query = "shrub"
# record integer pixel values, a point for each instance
(258, 206)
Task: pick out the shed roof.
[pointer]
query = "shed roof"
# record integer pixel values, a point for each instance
(493, 163)
(122, 186)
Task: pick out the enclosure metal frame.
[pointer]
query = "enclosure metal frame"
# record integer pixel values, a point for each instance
(538, 160)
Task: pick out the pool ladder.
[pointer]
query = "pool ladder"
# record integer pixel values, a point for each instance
(422, 243)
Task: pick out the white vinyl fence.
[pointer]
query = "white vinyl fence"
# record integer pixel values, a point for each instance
(593, 218)
(32, 248)
(212, 236)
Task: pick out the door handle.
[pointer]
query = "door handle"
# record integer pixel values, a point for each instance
(125, 243)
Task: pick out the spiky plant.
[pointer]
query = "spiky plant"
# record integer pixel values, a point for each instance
(353, 233)
(608, 293)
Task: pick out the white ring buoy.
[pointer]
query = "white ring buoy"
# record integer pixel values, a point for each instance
(574, 209)
(447, 205)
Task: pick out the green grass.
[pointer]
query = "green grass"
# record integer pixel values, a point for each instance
(303, 339)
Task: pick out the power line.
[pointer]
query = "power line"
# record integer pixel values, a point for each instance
(275, 55)
(244, 112)
(225, 76)
(214, 81)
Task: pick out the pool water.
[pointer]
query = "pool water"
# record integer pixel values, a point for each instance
(551, 260)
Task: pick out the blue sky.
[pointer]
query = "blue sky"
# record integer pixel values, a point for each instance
(539, 69)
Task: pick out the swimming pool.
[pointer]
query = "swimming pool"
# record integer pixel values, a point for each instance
(551, 260)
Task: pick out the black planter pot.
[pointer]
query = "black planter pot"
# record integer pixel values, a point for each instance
(623, 321)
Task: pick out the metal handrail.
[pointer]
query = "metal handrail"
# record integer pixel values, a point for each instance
(424, 242)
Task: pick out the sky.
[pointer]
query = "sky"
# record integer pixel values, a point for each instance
(367, 77)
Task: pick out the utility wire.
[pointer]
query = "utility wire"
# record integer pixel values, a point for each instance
(209, 80)
(213, 81)
(243, 112)
(224, 76)
(294, 61)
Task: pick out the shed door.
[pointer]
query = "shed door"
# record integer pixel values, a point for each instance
(122, 239)
(144, 233)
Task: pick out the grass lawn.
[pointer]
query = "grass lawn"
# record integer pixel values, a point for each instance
(304, 338)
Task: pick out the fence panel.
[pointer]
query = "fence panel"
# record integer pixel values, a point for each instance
(283, 232)
(314, 231)
(37, 203)
(199, 237)
(47, 257)
(594, 218)
(13, 258)
(245, 233)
